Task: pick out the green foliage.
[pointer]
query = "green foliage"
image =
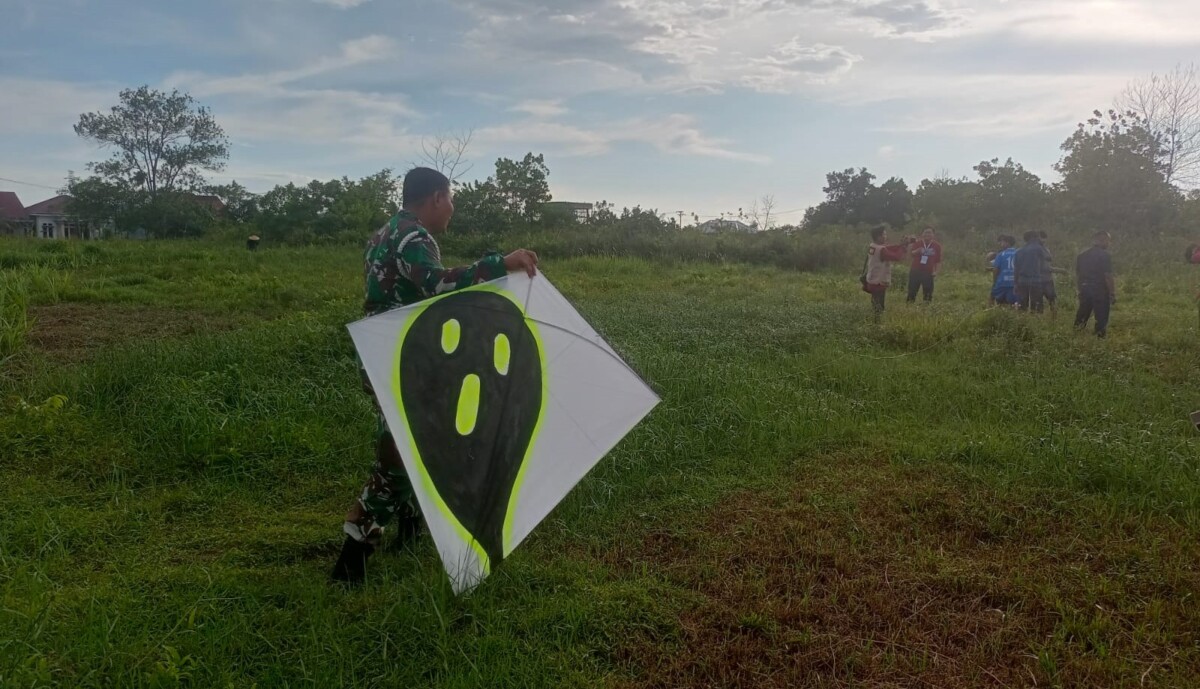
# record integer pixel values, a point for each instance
(336, 210)
(162, 141)
(523, 186)
(479, 207)
(1009, 197)
(951, 205)
(240, 205)
(1113, 176)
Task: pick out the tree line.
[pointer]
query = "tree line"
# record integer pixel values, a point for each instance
(1122, 170)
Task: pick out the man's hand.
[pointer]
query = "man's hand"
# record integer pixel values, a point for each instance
(521, 260)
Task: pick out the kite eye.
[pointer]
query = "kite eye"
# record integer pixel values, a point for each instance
(502, 354)
(468, 405)
(451, 333)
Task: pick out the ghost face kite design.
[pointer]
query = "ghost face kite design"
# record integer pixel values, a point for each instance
(501, 398)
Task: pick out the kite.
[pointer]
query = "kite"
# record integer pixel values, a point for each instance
(501, 398)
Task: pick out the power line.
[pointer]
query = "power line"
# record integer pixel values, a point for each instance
(28, 184)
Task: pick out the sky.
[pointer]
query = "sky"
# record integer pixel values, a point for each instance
(701, 106)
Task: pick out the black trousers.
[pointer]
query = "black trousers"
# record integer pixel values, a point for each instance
(1031, 298)
(920, 280)
(1094, 300)
(877, 302)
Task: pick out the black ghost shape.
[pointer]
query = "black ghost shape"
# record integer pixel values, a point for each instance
(475, 473)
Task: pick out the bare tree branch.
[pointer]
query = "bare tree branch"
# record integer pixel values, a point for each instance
(1169, 104)
(767, 205)
(446, 153)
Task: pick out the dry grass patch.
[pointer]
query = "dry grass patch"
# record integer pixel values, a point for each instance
(71, 332)
(907, 577)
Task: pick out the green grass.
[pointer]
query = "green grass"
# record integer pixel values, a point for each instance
(959, 497)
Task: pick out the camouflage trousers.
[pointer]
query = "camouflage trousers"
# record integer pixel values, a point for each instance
(387, 495)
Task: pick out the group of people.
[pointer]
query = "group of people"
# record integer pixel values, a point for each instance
(926, 255)
(1021, 278)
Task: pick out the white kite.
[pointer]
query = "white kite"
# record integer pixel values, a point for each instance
(501, 398)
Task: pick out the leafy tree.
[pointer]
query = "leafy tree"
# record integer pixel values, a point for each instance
(1009, 196)
(162, 141)
(523, 186)
(240, 205)
(890, 202)
(1113, 177)
(949, 204)
(479, 207)
(323, 211)
(846, 195)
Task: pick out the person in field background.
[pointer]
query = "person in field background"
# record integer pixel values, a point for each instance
(1049, 290)
(1097, 289)
(877, 269)
(1030, 266)
(926, 255)
(1004, 276)
(403, 266)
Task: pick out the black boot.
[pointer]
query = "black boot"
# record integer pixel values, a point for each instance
(351, 567)
(405, 533)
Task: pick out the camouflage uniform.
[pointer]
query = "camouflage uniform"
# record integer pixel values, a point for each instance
(403, 265)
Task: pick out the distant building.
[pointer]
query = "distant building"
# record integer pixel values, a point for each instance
(582, 211)
(13, 220)
(212, 203)
(724, 225)
(50, 220)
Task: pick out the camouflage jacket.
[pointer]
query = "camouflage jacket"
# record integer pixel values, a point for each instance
(404, 266)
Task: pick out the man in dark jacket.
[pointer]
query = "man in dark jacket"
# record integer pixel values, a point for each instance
(1032, 265)
(1097, 292)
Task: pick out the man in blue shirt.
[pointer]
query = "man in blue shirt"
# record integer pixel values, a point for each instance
(1004, 272)
(1032, 267)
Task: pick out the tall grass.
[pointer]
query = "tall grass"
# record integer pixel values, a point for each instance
(815, 494)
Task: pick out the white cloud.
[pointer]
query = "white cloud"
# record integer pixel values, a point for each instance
(270, 106)
(540, 108)
(887, 152)
(343, 4)
(34, 106)
(676, 134)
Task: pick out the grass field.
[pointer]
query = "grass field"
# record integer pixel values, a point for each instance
(956, 498)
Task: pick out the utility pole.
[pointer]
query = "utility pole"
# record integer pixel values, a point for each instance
(680, 219)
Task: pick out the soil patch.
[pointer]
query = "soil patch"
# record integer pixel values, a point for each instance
(895, 577)
(75, 332)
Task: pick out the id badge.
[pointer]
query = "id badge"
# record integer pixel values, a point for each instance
(924, 260)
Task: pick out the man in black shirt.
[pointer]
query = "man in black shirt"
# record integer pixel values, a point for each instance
(1097, 293)
(1032, 267)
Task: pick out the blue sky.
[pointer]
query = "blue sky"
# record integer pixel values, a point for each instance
(694, 105)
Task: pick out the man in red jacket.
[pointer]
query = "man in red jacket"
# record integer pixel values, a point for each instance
(877, 270)
(926, 260)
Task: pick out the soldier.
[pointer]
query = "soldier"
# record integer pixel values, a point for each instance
(404, 266)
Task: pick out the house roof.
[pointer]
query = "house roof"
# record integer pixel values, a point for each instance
(213, 203)
(54, 206)
(10, 206)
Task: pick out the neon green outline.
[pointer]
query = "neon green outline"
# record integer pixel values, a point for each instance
(426, 480)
